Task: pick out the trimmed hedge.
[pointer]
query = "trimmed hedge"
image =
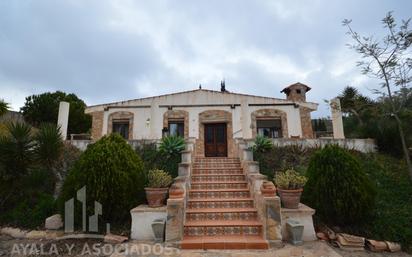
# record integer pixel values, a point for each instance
(338, 188)
(113, 175)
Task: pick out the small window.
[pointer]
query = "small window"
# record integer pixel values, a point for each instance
(271, 128)
(121, 127)
(298, 91)
(176, 128)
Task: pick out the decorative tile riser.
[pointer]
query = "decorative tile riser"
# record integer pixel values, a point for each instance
(217, 171)
(222, 216)
(223, 230)
(213, 160)
(220, 186)
(216, 165)
(218, 178)
(220, 195)
(234, 204)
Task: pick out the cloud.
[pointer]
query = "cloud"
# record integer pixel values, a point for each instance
(108, 50)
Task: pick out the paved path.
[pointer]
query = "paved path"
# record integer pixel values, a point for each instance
(313, 249)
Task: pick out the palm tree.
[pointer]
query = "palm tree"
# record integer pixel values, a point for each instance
(4, 107)
(49, 144)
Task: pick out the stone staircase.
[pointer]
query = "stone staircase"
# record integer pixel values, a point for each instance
(220, 211)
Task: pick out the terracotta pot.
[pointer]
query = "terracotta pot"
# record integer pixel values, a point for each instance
(156, 196)
(290, 198)
(176, 191)
(268, 189)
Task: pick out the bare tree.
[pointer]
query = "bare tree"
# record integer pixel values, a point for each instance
(388, 59)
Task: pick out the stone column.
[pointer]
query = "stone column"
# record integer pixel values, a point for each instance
(246, 119)
(63, 118)
(273, 220)
(174, 222)
(337, 122)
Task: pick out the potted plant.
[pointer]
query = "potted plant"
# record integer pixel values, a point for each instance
(157, 187)
(290, 187)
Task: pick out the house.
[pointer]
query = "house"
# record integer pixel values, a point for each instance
(213, 118)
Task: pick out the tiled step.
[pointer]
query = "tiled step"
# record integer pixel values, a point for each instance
(219, 185)
(217, 159)
(219, 193)
(222, 227)
(220, 177)
(222, 214)
(216, 165)
(220, 203)
(224, 242)
(216, 171)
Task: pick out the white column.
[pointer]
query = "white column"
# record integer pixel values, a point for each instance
(337, 122)
(246, 119)
(63, 118)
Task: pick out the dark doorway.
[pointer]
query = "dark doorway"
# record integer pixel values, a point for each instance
(215, 140)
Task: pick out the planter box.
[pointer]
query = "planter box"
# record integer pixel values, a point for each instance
(142, 219)
(303, 215)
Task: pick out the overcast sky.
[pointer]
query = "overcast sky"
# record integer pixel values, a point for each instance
(106, 51)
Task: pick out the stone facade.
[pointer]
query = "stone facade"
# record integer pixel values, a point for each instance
(306, 122)
(148, 116)
(269, 113)
(97, 124)
(177, 115)
(122, 115)
(215, 116)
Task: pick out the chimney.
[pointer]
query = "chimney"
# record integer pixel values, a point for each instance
(222, 86)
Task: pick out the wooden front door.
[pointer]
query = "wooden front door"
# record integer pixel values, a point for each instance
(215, 140)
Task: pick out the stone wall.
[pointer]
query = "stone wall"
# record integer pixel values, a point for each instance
(269, 113)
(306, 122)
(363, 145)
(215, 116)
(97, 124)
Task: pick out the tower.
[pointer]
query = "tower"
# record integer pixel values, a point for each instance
(296, 92)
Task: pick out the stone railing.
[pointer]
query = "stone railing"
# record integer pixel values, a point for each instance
(82, 144)
(363, 145)
(176, 206)
(268, 207)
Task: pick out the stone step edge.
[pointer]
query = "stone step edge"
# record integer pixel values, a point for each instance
(222, 174)
(223, 223)
(220, 210)
(221, 199)
(219, 182)
(224, 242)
(219, 190)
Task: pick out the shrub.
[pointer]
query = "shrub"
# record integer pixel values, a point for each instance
(30, 213)
(282, 158)
(149, 155)
(155, 158)
(262, 144)
(16, 150)
(172, 145)
(392, 218)
(158, 179)
(289, 179)
(113, 175)
(49, 144)
(338, 188)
